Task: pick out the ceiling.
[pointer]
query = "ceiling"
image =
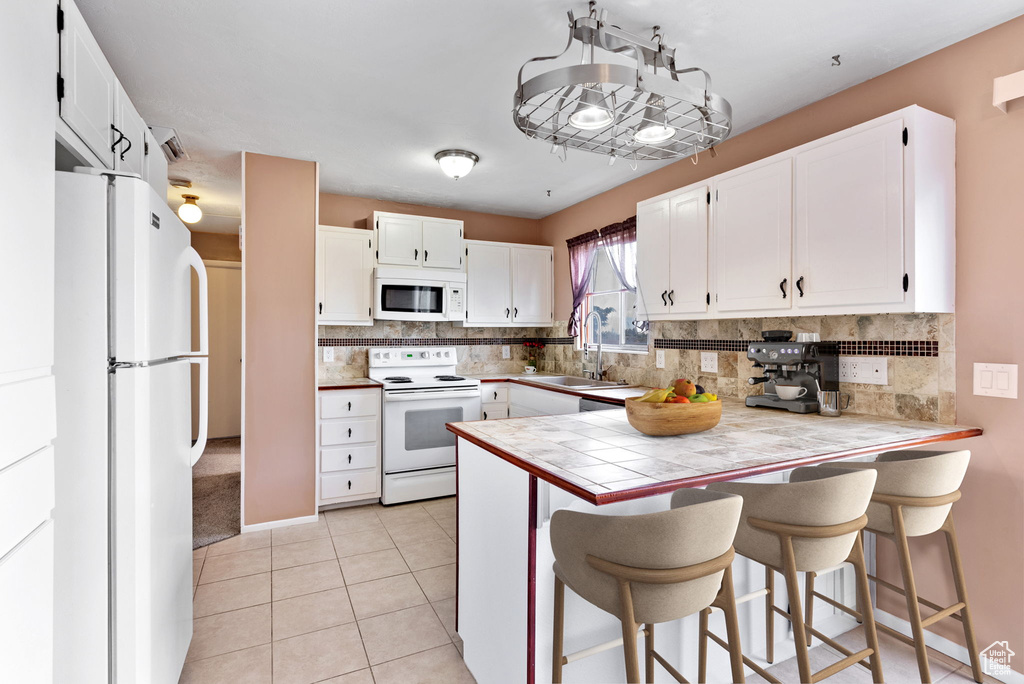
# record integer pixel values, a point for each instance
(373, 89)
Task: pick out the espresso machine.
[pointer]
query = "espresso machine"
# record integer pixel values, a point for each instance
(806, 366)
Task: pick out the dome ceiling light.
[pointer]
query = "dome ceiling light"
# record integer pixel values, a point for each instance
(456, 163)
(641, 111)
(189, 212)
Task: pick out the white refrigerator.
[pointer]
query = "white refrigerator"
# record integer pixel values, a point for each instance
(124, 449)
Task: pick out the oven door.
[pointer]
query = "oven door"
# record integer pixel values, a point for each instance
(415, 437)
(410, 300)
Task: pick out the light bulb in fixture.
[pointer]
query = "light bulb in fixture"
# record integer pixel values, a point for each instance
(654, 128)
(189, 212)
(591, 113)
(456, 163)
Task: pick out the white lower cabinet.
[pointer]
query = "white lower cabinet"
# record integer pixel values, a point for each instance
(348, 445)
(494, 400)
(533, 401)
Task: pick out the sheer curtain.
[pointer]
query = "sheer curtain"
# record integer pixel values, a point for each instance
(582, 253)
(619, 241)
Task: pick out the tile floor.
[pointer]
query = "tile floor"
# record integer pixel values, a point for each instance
(364, 595)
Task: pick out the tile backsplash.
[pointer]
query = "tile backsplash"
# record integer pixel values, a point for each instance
(920, 349)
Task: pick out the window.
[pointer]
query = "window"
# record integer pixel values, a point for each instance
(615, 305)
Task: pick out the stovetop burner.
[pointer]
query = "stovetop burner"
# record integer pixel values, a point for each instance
(448, 378)
(398, 378)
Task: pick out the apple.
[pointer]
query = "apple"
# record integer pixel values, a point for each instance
(685, 388)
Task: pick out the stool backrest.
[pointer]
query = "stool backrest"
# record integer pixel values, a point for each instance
(699, 530)
(813, 498)
(914, 475)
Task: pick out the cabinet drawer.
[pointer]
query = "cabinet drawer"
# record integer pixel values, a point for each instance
(494, 393)
(348, 431)
(493, 411)
(351, 458)
(26, 497)
(349, 484)
(345, 404)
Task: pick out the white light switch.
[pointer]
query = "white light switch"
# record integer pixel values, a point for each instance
(709, 362)
(506, 351)
(995, 380)
(328, 354)
(659, 358)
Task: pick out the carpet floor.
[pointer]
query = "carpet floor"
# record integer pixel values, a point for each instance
(217, 492)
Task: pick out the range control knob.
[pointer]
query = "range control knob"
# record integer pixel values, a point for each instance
(377, 355)
(424, 355)
(447, 354)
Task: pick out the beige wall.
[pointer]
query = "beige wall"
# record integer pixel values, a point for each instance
(956, 82)
(279, 220)
(355, 212)
(216, 246)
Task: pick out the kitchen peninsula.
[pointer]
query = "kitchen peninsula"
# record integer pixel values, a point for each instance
(512, 474)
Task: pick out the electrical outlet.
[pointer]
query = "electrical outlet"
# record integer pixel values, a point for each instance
(867, 370)
(506, 351)
(659, 358)
(328, 354)
(709, 362)
(995, 380)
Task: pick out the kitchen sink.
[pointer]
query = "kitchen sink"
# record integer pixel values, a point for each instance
(571, 381)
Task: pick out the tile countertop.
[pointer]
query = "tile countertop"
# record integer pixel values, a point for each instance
(599, 457)
(348, 383)
(611, 395)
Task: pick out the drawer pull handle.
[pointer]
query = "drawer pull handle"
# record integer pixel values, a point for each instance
(495, 396)
(350, 432)
(485, 415)
(350, 484)
(350, 406)
(507, 312)
(350, 458)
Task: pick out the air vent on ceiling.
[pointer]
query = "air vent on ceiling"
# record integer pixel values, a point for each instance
(169, 142)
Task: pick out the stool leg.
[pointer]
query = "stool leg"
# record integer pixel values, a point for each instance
(556, 641)
(866, 612)
(702, 660)
(629, 627)
(732, 626)
(649, 652)
(961, 596)
(769, 615)
(803, 660)
(809, 604)
(913, 608)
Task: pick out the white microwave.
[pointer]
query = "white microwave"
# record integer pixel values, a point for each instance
(406, 294)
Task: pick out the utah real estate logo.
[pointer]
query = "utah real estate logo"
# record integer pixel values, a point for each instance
(996, 659)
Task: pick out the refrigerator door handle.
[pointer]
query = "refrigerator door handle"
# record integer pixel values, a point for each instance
(196, 262)
(204, 407)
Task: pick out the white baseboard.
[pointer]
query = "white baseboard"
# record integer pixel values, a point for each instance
(942, 645)
(280, 523)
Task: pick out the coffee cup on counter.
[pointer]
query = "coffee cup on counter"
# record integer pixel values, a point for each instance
(529, 370)
(790, 392)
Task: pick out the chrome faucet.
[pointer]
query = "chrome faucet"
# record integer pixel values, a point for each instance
(598, 372)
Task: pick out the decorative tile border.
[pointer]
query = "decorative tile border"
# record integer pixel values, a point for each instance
(435, 341)
(846, 347)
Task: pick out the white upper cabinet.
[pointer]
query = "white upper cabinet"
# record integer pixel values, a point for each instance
(344, 274)
(753, 229)
(129, 141)
(418, 241)
(532, 295)
(488, 283)
(87, 105)
(155, 168)
(509, 284)
(672, 253)
(442, 244)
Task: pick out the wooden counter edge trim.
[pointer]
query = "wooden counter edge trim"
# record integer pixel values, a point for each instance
(701, 480)
(365, 385)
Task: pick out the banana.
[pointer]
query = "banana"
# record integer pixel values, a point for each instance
(656, 396)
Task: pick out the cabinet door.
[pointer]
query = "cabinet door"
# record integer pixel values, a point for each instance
(753, 227)
(653, 259)
(488, 283)
(532, 275)
(849, 220)
(442, 244)
(399, 241)
(344, 276)
(688, 261)
(130, 152)
(155, 169)
(89, 83)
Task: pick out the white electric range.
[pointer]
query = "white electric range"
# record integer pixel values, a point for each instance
(422, 392)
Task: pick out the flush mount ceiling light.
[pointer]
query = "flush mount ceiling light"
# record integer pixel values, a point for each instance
(189, 212)
(456, 163)
(639, 110)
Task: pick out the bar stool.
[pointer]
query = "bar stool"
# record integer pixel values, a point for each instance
(914, 497)
(646, 569)
(806, 525)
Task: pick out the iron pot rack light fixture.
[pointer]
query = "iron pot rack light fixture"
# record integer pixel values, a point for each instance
(640, 111)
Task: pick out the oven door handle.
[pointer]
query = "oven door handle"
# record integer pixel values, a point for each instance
(427, 396)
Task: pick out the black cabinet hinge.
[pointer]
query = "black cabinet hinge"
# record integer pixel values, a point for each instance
(369, 243)
(377, 223)
(906, 136)
(906, 282)
(709, 197)
(60, 87)
(145, 148)
(709, 299)
(467, 251)
(369, 312)
(377, 254)
(60, 19)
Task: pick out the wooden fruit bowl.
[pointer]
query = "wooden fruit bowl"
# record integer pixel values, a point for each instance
(660, 420)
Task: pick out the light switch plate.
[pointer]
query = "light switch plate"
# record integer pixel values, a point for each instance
(709, 362)
(506, 351)
(659, 358)
(328, 354)
(867, 370)
(995, 380)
